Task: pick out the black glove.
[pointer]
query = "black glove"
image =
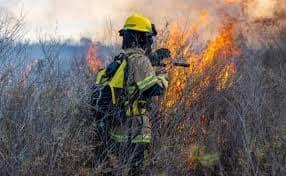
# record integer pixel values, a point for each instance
(160, 54)
(163, 53)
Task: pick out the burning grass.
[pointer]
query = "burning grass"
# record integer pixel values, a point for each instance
(199, 108)
(212, 66)
(225, 115)
(93, 61)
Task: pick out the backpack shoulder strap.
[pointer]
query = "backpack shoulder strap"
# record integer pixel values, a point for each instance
(119, 78)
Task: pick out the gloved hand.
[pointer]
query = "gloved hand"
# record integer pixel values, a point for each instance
(163, 53)
(164, 79)
(160, 54)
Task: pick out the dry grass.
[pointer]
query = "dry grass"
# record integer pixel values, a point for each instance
(46, 127)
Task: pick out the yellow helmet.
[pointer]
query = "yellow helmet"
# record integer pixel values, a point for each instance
(137, 22)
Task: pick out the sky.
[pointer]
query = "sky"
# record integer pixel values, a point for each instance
(73, 19)
(67, 18)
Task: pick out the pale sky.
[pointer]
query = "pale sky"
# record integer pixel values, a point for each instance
(68, 18)
(89, 18)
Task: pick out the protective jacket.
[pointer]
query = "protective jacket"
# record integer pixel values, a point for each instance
(139, 83)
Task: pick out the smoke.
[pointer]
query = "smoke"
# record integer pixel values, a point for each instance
(68, 18)
(254, 18)
(262, 8)
(89, 18)
(169, 9)
(265, 8)
(161, 10)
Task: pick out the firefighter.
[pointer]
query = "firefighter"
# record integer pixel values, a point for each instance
(131, 135)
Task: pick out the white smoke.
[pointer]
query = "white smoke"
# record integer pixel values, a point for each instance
(68, 18)
(254, 9)
(89, 18)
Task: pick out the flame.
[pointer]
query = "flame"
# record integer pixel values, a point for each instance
(216, 58)
(93, 61)
(179, 36)
(220, 49)
(225, 76)
(212, 67)
(179, 43)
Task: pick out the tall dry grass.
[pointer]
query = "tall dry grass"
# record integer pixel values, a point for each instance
(47, 128)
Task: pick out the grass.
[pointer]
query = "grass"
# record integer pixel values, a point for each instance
(47, 128)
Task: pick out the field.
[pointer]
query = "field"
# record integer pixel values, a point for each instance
(226, 115)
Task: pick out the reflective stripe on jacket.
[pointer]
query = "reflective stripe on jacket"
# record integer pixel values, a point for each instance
(136, 75)
(141, 74)
(122, 138)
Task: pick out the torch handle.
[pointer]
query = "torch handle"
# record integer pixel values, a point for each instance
(176, 64)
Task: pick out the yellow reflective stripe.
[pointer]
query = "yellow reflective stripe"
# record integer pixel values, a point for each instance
(119, 138)
(147, 83)
(142, 138)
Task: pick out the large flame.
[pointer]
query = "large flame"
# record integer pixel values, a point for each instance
(218, 53)
(180, 45)
(211, 67)
(93, 61)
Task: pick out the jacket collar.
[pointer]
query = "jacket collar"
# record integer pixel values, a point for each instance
(134, 51)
